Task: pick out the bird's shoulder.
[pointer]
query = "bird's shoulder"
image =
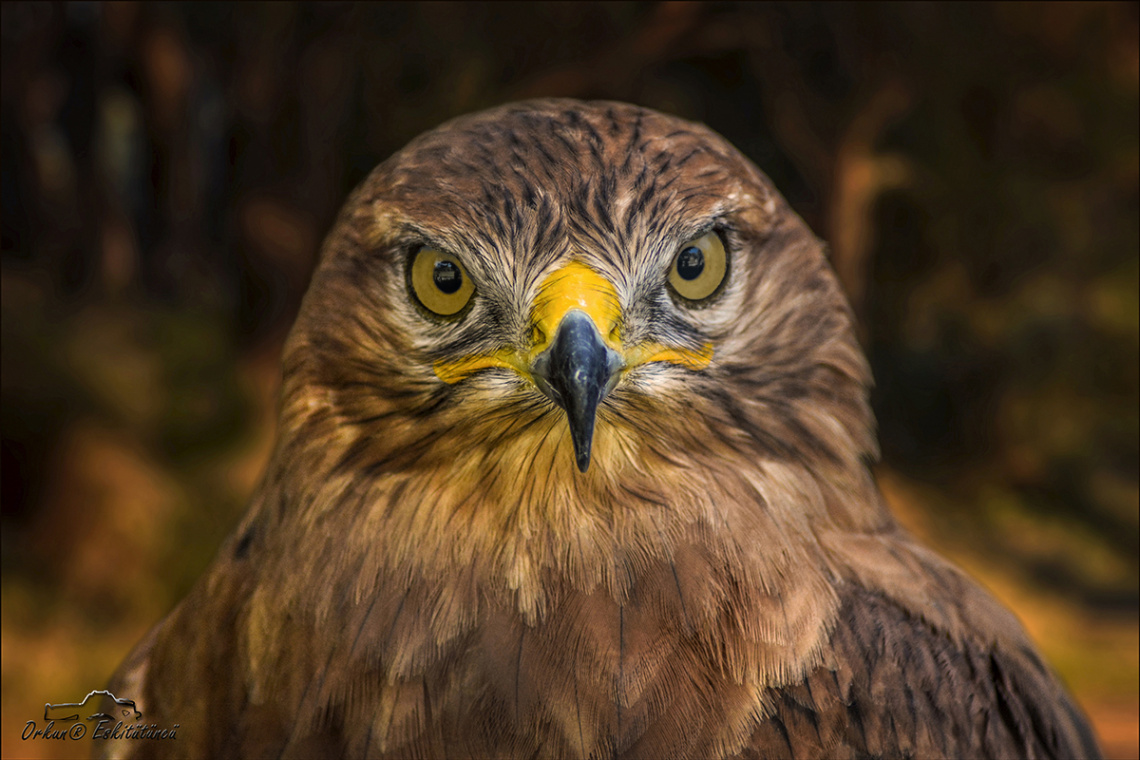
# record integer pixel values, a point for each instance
(896, 683)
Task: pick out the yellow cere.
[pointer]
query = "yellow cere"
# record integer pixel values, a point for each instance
(574, 286)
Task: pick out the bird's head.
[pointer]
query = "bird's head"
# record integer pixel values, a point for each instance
(567, 343)
(561, 283)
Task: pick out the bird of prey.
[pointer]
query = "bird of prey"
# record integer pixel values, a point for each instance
(572, 462)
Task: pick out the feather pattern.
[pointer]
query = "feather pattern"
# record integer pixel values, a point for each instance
(424, 572)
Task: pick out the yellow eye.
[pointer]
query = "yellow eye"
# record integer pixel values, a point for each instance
(699, 268)
(440, 282)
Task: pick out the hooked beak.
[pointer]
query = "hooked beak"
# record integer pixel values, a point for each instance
(576, 372)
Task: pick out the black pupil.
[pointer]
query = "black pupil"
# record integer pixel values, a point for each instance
(447, 277)
(690, 263)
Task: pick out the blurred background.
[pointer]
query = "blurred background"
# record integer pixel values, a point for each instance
(169, 172)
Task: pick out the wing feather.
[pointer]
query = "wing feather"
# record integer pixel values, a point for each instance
(895, 686)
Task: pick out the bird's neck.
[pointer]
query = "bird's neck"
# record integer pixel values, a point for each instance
(507, 567)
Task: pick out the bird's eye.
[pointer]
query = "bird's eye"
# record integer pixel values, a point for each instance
(699, 268)
(440, 282)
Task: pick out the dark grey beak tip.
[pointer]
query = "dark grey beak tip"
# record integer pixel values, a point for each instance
(577, 372)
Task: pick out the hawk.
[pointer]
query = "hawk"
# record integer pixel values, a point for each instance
(572, 462)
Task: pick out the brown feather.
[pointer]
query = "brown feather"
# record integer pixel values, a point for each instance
(424, 572)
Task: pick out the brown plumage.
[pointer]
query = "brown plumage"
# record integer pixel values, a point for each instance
(573, 462)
